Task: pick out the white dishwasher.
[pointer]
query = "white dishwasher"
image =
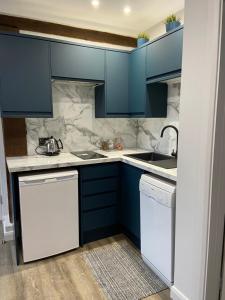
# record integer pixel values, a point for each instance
(49, 213)
(157, 198)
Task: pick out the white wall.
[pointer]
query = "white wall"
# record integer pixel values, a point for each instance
(217, 205)
(160, 28)
(197, 110)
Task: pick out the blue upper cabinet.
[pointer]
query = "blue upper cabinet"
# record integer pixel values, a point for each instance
(25, 82)
(117, 68)
(146, 100)
(164, 56)
(77, 62)
(137, 84)
(112, 97)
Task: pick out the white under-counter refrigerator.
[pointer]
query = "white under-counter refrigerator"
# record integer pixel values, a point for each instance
(49, 213)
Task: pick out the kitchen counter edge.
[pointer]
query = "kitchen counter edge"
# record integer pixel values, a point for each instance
(33, 163)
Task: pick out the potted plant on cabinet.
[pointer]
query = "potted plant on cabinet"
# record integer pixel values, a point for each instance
(143, 38)
(172, 22)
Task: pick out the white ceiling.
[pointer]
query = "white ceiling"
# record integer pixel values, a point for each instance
(109, 16)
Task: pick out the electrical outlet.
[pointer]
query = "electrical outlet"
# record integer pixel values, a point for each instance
(42, 141)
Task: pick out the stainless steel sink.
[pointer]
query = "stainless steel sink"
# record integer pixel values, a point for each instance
(157, 159)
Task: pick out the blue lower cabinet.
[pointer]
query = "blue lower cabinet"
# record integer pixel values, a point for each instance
(100, 218)
(107, 211)
(97, 186)
(25, 77)
(100, 171)
(129, 211)
(99, 200)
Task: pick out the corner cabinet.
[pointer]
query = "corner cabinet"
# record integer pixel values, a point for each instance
(112, 97)
(164, 56)
(130, 202)
(145, 99)
(25, 78)
(77, 62)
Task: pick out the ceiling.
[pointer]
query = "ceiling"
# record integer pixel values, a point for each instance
(108, 16)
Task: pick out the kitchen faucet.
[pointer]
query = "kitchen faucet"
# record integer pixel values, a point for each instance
(174, 153)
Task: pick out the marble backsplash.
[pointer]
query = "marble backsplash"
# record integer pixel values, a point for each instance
(75, 123)
(148, 130)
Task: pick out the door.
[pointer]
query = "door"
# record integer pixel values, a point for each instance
(137, 84)
(165, 54)
(25, 82)
(77, 62)
(130, 202)
(117, 66)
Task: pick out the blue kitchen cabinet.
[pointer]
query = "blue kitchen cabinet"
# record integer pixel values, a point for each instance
(77, 62)
(112, 98)
(117, 68)
(137, 84)
(164, 56)
(146, 99)
(130, 202)
(99, 188)
(25, 79)
(156, 104)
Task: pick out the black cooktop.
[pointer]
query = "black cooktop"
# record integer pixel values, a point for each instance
(88, 155)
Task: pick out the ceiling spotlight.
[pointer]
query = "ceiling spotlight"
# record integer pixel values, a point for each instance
(95, 3)
(127, 10)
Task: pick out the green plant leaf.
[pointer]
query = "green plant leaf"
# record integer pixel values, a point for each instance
(171, 18)
(143, 35)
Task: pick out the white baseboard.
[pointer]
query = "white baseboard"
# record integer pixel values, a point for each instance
(175, 294)
(7, 230)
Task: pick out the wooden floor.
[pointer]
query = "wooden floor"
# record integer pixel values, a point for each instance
(64, 277)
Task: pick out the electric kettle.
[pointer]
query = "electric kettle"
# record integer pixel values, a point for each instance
(50, 147)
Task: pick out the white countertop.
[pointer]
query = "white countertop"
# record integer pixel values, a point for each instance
(39, 162)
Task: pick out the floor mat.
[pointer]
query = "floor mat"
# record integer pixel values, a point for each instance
(121, 272)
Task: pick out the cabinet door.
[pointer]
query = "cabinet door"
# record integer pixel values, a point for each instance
(137, 85)
(165, 55)
(156, 106)
(77, 62)
(99, 197)
(130, 202)
(117, 64)
(25, 82)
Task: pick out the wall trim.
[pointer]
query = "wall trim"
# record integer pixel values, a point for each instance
(175, 294)
(8, 229)
(7, 21)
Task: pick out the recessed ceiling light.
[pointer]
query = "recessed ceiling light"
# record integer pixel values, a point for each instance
(127, 10)
(95, 3)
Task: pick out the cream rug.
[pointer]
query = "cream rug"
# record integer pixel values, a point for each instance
(121, 272)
